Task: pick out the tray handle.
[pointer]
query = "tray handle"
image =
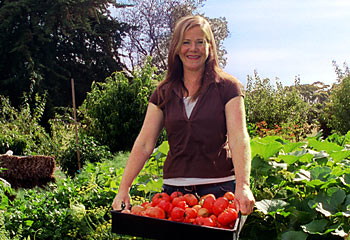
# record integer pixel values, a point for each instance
(239, 225)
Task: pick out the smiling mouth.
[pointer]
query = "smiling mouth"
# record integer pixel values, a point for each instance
(193, 57)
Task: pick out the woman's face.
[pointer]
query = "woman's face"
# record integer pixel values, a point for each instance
(194, 50)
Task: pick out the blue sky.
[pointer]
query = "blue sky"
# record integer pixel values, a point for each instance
(285, 38)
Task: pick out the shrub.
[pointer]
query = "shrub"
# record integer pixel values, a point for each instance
(20, 130)
(339, 108)
(90, 150)
(274, 105)
(115, 109)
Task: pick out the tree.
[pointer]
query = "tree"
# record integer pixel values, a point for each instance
(335, 114)
(43, 44)
(273, 104)
(115, 109)
(152, 23)
(339, 107)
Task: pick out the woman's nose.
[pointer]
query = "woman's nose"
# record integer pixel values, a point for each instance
(193, 46)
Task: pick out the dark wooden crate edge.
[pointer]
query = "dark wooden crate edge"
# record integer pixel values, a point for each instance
(132, 225)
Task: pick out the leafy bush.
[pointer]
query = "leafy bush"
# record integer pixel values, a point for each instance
(115, 109)
(274, 105)
(89, 151)
(20, 130)
(62, 129)
(339, 108)
(288, 131)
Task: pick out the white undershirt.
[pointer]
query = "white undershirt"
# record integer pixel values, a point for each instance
(189, 105)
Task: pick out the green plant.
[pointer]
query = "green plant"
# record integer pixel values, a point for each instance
(77, 208)
(339, 106)
(20, 130)
(274, 104)
(302, 189)
(89, 151)
(115, 109)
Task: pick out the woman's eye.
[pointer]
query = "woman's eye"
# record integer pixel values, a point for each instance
(186, 43)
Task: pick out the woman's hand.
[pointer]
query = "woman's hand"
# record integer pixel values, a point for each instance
(121, 201)
(244, 200)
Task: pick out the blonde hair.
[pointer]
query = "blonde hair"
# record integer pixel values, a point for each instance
(174, 77)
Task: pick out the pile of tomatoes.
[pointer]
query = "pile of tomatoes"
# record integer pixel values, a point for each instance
(207, 211)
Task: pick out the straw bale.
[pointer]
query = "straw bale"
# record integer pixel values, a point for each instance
(27, 171)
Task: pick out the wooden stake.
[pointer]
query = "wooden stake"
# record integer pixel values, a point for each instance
(75, 123)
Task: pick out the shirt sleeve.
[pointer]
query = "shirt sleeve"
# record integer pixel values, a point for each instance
(231, 89)
(154, 98)
(157, 99)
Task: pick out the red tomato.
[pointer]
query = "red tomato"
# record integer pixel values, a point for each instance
(220, 205)
(182, 204)
(190, 213)
(205, 221)
(214, 218)
(158, 197)
(208, 203)
(228, 217)
(201, 200)
(177, 214)
(155, 212)
(176, 194)
(176, 200)
(209, 222)
(191, 199)
(230, 196)
(137, 209)
(232, 205)
(166, 206)
(146, 205)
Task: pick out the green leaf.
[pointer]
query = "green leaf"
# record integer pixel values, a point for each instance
(346, 179)
(294, 235)
(346, 207)
(315, 227)
(164, 148)
(339, 155)
(270, 206)
(260, 166)
(29, 222)
(289, 159)
(289, 147)
(154, 185)
(321, 173)
(306, 158)
(328, 203)
(326, 146)
(264, 148)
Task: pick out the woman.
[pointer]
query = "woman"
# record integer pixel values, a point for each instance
(202, 110)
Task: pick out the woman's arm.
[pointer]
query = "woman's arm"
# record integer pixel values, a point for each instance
(239, 144)
(141, 151)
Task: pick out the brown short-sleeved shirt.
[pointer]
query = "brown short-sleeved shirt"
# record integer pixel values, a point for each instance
(197, 143)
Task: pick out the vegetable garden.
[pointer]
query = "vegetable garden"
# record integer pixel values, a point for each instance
(300, 177)
(302, 191)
